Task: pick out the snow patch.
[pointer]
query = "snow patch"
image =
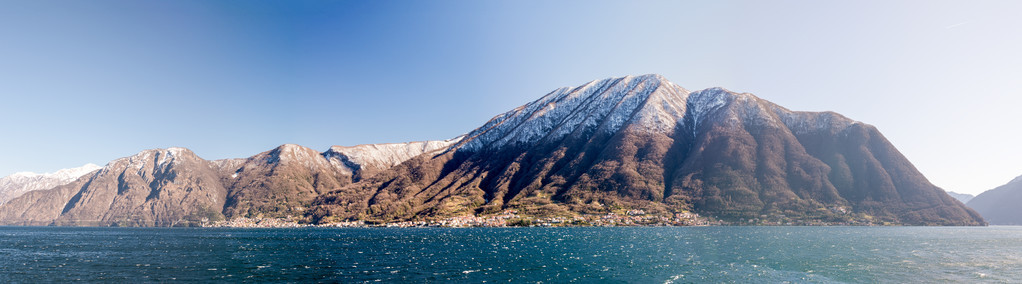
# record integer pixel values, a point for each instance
(604, 105)
(293, 153)
(382, 156)
(704, 103)
(806, 122)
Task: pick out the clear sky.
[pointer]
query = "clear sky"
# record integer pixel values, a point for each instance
(91, 81)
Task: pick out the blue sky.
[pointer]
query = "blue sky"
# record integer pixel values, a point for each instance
(91, 81)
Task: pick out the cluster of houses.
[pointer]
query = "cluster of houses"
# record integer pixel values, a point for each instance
(508, 218)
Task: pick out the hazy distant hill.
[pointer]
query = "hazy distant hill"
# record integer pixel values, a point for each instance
(963, 197)
(1001, 205)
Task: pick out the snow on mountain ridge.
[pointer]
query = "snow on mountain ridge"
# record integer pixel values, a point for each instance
(803, 122)
(602, 105)
(161, 159)
(382, 156)
(648, 103)
(288, 152)
(292, 154)
(634, 94)
(19, 183)
(701, 103)
(71, 173)
(663, 109)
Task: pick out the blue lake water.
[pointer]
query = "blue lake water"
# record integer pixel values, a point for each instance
(626, 255)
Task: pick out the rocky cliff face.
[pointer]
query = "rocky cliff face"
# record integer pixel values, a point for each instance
(1000, 206)
(646, 143)
(19, 183)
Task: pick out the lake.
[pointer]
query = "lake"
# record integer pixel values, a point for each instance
(622, 254)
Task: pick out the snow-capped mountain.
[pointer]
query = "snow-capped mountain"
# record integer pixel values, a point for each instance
(629, 143)
(645, 143)
(605, 106)
(19, 183)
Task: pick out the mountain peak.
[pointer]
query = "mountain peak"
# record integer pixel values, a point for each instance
(159, 157)
(298, 153)
(604, 106)
(169, 150)
(716, 90)
(292, 150)
(719, 96)
(290, 146)
(652, 77)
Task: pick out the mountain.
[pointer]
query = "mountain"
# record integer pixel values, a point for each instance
(175, 187)
(161, 187)
(962, 197)
(281, 182)
(277, 183)
(1000, 206)
(369, 159)
(19, 183)
(639, 144)
(646, 143)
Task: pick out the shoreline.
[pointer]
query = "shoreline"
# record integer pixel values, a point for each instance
(631, 218)
(506, 219)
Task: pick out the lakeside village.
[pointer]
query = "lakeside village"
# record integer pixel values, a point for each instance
(508, 218)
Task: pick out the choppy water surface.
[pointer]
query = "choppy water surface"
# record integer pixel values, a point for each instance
(642, 255)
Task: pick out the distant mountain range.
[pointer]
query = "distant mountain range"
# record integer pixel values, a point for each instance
(1000, 206)
(630, 143)
(963, 197)
(19, 183)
